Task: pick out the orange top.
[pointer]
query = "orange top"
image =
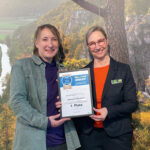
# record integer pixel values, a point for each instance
(100, 75)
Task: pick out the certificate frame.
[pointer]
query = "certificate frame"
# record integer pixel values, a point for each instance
(75, 93)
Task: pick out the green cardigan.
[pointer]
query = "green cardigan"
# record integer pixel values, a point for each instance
(28, 99)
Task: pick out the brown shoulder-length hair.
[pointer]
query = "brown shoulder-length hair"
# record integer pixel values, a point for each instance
(60, 55)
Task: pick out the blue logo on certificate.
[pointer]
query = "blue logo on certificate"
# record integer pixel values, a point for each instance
(67, 80)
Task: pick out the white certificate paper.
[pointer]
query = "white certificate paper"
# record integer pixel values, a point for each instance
(75, 93)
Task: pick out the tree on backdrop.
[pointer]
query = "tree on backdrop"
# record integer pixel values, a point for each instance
(113, 14)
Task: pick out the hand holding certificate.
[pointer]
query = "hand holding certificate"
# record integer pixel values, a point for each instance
(75, 93)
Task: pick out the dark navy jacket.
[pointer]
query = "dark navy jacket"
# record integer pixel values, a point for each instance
(119, 97)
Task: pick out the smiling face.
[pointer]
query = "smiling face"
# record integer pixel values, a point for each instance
(47, 45)
(98, 44)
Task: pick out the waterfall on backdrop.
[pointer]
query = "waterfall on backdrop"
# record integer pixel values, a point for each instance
(6, 67)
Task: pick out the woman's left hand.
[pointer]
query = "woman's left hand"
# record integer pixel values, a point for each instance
(103, 112)
(58, 104)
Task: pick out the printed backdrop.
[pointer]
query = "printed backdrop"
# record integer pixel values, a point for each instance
(128, 27)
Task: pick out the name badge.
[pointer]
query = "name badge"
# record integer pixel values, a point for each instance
(116, 81)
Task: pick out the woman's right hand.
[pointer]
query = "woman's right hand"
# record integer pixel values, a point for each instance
(55, 122)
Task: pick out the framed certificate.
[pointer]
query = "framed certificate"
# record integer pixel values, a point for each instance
(75, 93)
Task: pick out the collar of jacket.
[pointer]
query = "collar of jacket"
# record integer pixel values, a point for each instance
(38, 61)
(112, 63)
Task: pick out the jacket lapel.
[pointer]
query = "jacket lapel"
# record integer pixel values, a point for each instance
(110, 76)
(90, 65)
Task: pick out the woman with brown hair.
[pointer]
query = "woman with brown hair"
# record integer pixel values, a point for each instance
(33, 94)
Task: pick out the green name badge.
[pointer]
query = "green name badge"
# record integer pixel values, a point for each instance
(116, 81)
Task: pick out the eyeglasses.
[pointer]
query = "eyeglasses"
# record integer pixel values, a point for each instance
(92, 44)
